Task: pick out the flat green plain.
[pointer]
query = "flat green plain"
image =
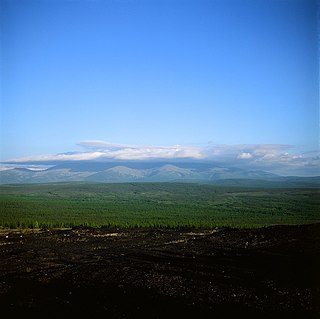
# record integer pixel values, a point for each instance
(171, 205)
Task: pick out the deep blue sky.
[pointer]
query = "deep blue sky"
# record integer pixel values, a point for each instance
(157, 73)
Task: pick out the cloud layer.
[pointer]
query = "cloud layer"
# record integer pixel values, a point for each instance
(272, 157)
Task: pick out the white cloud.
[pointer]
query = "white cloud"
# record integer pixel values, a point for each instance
(58, 157)
(7, 167)
(244, 156)
(260, 156)
(103, 150)
(145, 153)
(142, 152)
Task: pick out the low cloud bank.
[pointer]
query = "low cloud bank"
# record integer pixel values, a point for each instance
(6, 167)
(277, 158)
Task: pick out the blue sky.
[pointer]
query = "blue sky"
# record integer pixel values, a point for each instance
(195, 73)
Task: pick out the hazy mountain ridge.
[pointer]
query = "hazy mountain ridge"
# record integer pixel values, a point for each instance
(158, 172)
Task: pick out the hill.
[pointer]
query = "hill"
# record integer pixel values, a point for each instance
(122, 172)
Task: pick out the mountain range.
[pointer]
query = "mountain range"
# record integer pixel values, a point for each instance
(153, 172)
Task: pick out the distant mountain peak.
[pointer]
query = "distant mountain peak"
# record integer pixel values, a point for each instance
(123, 172)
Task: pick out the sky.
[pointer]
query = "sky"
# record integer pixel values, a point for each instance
(145, 79)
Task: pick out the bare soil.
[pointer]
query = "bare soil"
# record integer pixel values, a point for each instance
(161, 273)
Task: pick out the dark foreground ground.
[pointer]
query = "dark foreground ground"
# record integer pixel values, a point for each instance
(158, 273)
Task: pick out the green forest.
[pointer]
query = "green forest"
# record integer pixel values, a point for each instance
(174, 205)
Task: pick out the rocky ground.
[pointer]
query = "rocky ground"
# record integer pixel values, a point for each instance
(161, 273)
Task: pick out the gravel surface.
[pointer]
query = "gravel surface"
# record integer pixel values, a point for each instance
(161, 273)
